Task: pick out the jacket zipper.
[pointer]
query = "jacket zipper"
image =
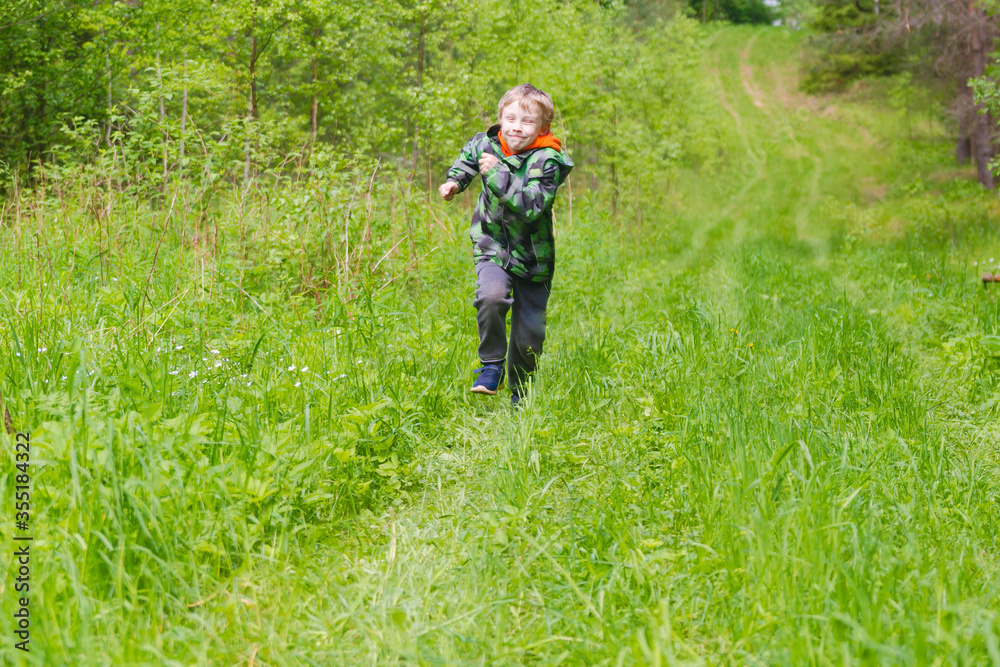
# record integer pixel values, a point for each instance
(506, 233)
(503, 223)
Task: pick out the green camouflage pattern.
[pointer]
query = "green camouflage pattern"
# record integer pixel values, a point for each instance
(512, 223)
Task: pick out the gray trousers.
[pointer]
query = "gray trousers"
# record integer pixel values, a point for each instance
(497, 291)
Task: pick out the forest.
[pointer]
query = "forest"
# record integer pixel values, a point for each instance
(261, 89)
(238, 336)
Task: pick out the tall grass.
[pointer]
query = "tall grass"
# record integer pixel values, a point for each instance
(763, 432)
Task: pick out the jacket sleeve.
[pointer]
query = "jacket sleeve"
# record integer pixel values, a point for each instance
(465, 168)
(531, 196)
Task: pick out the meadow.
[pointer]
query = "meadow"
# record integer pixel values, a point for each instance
(764, 431)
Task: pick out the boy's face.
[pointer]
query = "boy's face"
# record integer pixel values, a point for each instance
(520, 126)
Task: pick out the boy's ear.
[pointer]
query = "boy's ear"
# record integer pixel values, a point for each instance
(546, 129)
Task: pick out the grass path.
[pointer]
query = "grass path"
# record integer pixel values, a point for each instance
(730, 456)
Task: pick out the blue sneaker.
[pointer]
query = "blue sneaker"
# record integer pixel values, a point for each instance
(489, 380)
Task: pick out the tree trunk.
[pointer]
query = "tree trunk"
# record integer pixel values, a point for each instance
(614, 129)
(163, 114)
(964, 112)
(963, 149)
(184, 108)
(420, 85)
(981, 43)
(315, 93)
(252, 101)
(982, 149)
(246, 140)
(253, 72)
(107, 64)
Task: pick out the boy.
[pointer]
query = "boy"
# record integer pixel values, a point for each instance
(521, 165)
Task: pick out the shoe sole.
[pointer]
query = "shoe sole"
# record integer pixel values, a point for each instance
(483, 390)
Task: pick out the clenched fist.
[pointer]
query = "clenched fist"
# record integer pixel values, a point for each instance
(487, 162)
(448, 190)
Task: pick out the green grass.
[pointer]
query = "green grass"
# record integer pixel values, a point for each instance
(764, 431)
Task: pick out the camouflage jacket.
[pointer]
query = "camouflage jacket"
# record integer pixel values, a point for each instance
(512, 223)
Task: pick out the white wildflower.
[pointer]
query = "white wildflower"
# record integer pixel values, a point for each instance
(305, 369)
(291, 368)
(173, 372)
(297, 384)
(179, 347)
(192, 375)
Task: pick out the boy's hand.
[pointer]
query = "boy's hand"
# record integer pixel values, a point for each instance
(448, 190)
(487, 162)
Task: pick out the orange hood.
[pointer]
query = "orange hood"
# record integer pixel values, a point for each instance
(546, 140)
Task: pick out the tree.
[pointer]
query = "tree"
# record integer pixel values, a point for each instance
(50, 58)
(946, 40)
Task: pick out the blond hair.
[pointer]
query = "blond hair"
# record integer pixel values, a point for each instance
(526, 95)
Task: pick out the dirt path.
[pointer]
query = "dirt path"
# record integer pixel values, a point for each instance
(786, 143)
(748, 80)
